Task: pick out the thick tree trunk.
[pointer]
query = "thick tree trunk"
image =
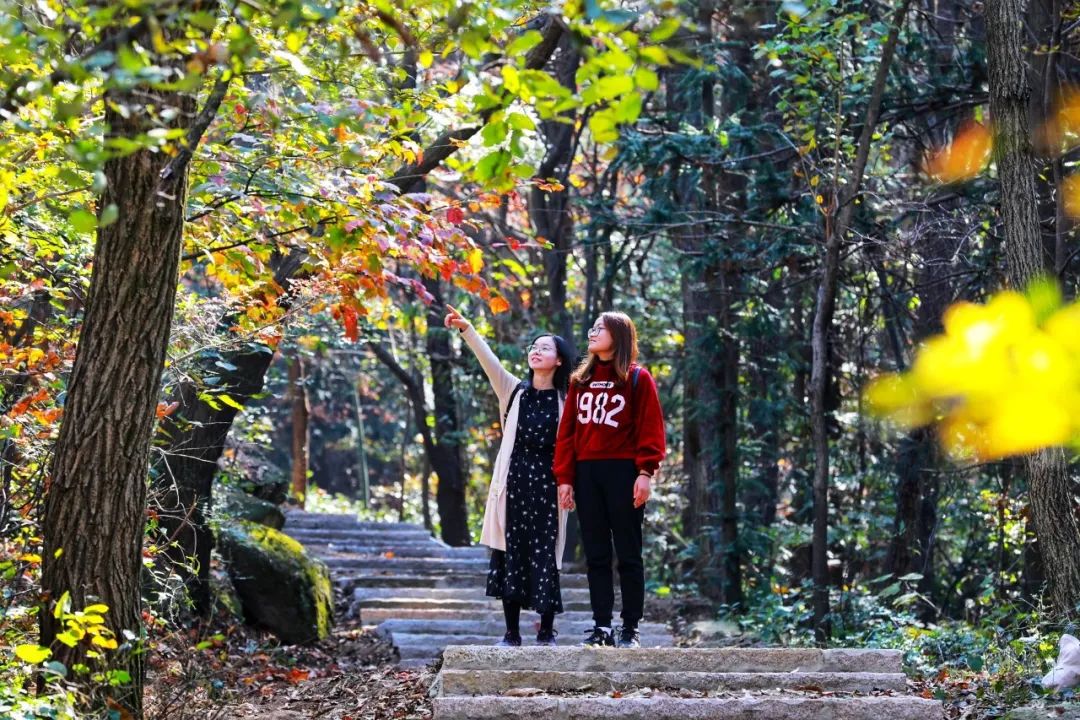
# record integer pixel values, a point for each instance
(192, 439)
(1052, 507)
(710, 387)
(96, 503)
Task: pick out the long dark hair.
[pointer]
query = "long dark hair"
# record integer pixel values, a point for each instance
(624, 344)
(562, 373)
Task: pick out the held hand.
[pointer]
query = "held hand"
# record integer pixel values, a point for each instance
(455, 320)
(642, 490)
(566, 497)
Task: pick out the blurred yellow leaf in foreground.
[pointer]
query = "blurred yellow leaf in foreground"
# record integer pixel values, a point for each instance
(1003, 379)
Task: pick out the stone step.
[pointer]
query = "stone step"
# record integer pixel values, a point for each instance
(760, 707)
(295, 518)
(454, 593)
(407, 565)
(569, 629)
(361, 536)
(377, 615)
(498, 682)
(490, 604)
(396, 550)
(477, 580)
(713, 660)
(430, 646)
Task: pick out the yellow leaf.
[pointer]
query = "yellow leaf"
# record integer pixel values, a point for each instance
(476, 260)
(105, 642)
(32, 654)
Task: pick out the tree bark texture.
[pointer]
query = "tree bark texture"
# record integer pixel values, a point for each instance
(1052, 507)
(96, 503)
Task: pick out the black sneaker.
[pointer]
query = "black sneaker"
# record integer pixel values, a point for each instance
(598, 637)
(627, 637)
(509, 640)
(546, 637)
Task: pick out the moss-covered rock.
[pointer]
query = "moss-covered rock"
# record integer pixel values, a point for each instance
(281, 588)
(235, 503)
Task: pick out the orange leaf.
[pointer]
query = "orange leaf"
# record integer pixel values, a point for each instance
(298, 676)
(964, 157)
(498, 305)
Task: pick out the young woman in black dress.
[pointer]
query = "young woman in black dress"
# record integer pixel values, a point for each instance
(523, 524)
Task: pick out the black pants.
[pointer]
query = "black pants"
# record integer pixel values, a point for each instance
(604, 493)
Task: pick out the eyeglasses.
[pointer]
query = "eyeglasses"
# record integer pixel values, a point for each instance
(596, 330)
(539, 349)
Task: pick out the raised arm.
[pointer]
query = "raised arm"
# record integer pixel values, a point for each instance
(502, 381)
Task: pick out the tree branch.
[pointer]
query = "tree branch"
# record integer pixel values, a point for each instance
(175, 168)
(409, 176)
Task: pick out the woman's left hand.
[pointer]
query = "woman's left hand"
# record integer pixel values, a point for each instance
(642, 490)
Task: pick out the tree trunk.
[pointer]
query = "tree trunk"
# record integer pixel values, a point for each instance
(96, 503)
(1052, 506)
(446, 460)
(192, 439)
(837, 222)
(549, 211)
(299, 413)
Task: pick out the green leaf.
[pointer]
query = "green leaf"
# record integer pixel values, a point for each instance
(520, 121)
(667, 27)
(227, 399)
(524, 43)
(109, 215)
(32, 654)
(494, 133)
(646, 79)
(603, 127)
(83, 221)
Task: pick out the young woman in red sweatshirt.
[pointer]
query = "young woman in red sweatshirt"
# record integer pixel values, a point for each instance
(609, 446)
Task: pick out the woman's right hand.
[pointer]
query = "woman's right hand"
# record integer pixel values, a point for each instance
(455, 320)
(566, 497)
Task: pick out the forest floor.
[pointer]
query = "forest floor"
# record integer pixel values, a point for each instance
(228, 670)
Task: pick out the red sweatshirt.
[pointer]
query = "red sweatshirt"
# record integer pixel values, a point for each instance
(609, 421)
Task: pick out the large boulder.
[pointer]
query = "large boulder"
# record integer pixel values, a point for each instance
(237, 504)
(281, 588)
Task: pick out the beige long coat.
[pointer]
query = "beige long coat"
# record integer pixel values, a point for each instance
(503, 383)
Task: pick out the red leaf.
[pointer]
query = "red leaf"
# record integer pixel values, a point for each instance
(455, 215)
(298, 676)
(348, 314)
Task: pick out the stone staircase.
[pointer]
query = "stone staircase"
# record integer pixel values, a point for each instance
(573, 683)
(424, 595)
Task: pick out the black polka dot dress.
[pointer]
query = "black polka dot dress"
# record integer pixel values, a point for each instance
(526, 572)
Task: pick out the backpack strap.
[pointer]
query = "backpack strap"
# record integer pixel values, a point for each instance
(634, 377)
(513, 394)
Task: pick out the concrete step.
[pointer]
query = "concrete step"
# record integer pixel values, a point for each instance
(377, 615)
(430, 646)
(455, 593)
(571, 630)
(393, 550)
(711, 660)
(761, 707)
(498, 682)
(407, 565)
(490, 604)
